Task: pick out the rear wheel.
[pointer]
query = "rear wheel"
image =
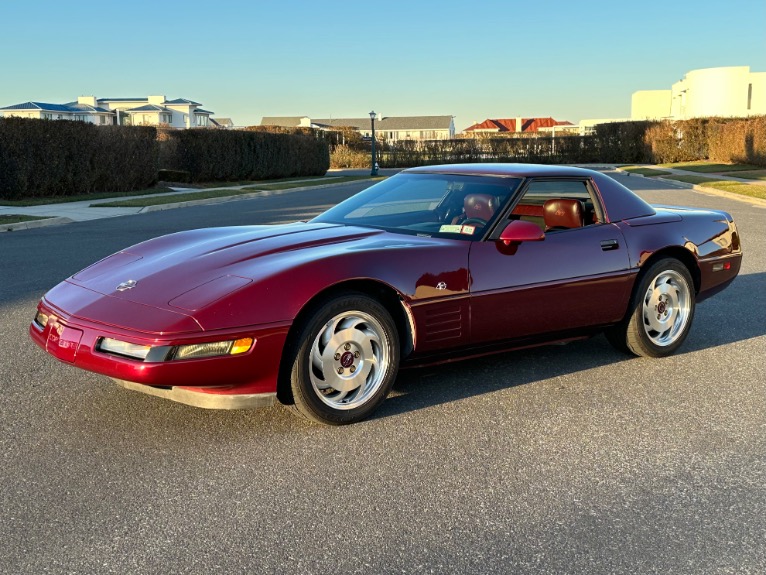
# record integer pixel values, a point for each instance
(660, 314)
(344, 361)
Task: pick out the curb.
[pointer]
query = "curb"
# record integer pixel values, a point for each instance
(703, 189)
(223, 199)
(761, 203)
(632, 175)
(52, 221)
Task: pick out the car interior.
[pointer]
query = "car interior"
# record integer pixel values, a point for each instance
(557, 205)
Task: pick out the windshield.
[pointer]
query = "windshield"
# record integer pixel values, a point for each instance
(427, 204)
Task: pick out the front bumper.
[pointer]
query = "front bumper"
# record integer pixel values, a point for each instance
(225, 382)
(206, 399)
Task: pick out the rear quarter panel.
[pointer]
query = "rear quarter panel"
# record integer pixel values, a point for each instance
(708, 237)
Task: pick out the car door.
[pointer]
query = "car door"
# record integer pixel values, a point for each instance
(574, 277)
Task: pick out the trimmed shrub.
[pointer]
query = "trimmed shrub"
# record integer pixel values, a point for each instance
(346, 157)
(526, 149)
(741, 141)
(49, 158)
(623, 142)
(681, 141)
(231, 155)
(174, 176)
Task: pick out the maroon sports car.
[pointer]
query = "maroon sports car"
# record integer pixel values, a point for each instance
(430, 265)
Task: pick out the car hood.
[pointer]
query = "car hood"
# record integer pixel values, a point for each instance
(182, 275)
(189, 270)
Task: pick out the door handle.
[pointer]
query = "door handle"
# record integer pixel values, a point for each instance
(607, 245)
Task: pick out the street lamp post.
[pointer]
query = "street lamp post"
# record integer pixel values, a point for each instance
(374, 164)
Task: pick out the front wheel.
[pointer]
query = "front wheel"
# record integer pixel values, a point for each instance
(345, 360)
(660, 314)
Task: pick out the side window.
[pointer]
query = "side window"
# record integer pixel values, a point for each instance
(558, 205)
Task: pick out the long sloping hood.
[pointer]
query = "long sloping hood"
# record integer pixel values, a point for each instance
(223, 278)
(188, 270)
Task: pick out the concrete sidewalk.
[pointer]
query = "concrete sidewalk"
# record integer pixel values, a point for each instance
(82, 211)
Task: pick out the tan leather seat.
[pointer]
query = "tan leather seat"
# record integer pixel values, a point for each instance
(563, 214)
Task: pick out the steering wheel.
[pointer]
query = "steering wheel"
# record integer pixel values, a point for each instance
(474, 222)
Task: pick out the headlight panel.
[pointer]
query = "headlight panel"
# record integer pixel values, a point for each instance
(200, 350)
(117, 347)
(157, 354)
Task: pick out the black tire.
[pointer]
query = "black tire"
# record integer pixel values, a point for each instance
(660, 314)
(344, 360)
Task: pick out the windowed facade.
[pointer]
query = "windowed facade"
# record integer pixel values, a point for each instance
(151, 111)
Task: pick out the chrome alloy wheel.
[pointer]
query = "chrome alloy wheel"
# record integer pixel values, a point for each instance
(666, 308)
(349, 360)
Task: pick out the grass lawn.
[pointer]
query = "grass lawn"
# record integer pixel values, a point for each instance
(751, 190)
(205, 185)
(82, 197)
(711, 167)
(175, 198)
(644, 171)
(16, 218)
(750, 174)
(288, 185)
(205, 195)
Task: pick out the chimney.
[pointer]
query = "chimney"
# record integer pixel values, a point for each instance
(519, 124)
(87, 100)
(157, 100)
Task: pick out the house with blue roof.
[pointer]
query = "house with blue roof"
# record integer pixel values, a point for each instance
(150, 111)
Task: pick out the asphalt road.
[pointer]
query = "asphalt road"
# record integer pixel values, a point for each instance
(563, 459)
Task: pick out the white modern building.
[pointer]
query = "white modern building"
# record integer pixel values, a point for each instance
(732, 91)
(151, 111)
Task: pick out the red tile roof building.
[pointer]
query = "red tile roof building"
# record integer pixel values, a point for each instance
(507, 125)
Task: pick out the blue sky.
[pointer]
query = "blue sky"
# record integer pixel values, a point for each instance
(471, 59)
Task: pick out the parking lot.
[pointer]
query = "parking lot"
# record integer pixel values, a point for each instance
(561, 459)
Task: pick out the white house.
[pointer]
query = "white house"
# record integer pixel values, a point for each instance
(389, 128)
(151, 111)
(732, 91)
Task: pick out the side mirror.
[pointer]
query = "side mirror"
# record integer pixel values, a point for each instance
(521, 231)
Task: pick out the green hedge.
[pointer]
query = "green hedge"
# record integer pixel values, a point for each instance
(724, 140)
(46, 158)
(539, 150)
(49, 158)
(231, 155)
